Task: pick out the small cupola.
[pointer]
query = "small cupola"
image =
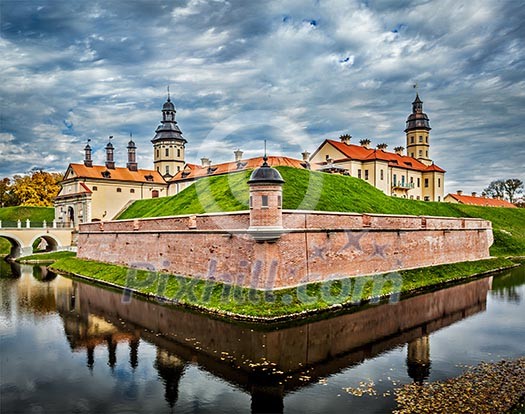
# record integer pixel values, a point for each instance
(399, 150)
(238, 155)
(88, 162)
(110, 162)
(365, 143)
(132, 155)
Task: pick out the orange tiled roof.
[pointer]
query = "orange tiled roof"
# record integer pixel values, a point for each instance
(481, 201)
(193, 171)
(119, 173)
(360, 153)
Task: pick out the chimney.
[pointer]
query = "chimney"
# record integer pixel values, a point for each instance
(88, 162)
(459, 192)
(474, 194)
(306, 156)
(206, 162)
(382, 146)
(365, 143)
(484, 195)
(345, 138)
(110, 162)
(399, 150)
(238, 155)
(132, 156)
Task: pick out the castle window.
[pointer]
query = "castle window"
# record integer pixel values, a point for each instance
(427, 198)
(119, 190)
(412, 154)
(418, 183)
(95, 188)
(158, 153)
(420, 153)
(426, 184)
(132, 190)
(395, 179)
(167, 169)
(359, 173)
(412, 140)
(251, 202)
(167, 152)
(418, 198)
(178, 153)
(178, 168)
(426, 140)
(426, 154)
(279, 201)
(264, 201)
(439, 182)
(366, 174)
(439, 198)
(155, 193)
(411, 180)
(411, 197)
(421, 138)
(381, 174)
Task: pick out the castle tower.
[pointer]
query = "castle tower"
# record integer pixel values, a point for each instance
(168, 143)
(417, 133)
(266, 216)
(88, 162)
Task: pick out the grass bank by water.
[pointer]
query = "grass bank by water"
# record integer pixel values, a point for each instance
(311, 190)
(236, 302)
(46, 257)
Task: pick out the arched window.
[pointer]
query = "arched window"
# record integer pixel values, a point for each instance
(167, 152)
(178, 153)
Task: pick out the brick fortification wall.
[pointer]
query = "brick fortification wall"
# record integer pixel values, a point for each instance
(314, 246)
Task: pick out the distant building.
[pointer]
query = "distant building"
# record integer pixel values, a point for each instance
(413, 175)
(193, 172)
(475, 200)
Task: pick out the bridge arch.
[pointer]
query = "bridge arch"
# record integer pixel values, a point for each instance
(53, 244)
(16, 244)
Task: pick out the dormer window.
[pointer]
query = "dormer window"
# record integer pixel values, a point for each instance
(148, 177)
(211, 170)
(106, 174)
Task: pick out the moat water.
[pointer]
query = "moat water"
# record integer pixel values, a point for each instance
(71, 347)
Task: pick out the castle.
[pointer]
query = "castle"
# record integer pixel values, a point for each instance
(99, 192)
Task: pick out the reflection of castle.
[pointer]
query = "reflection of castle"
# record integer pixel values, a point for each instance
(323, 348)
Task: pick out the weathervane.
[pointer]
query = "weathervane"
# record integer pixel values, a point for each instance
(415, 86)
(265, 157)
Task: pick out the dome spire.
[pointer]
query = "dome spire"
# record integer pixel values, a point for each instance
(169, 100)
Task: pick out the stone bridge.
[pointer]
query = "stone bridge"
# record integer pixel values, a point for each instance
(22, 236)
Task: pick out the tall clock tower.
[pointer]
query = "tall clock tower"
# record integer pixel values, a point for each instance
(417, 133)
(168, 143)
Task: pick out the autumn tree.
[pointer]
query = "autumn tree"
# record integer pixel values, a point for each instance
(38, 188)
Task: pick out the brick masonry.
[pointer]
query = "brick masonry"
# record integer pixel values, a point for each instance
(315, 246)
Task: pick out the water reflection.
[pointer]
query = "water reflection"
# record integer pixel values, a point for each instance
(266, 362)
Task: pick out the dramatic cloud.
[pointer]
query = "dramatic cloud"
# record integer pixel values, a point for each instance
(293, 72)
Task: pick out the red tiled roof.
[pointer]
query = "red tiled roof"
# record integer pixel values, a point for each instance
(481, 201)
(192, 171)
(119, 173)
(360, 153)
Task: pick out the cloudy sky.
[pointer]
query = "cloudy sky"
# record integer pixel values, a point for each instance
(294, 72)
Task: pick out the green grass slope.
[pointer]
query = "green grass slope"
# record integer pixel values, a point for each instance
(38, 214)
(326, 192)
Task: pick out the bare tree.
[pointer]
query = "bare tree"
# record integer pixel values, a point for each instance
(513, 187)
(496, 189)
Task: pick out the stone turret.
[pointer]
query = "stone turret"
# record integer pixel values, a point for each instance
(132, 156)
(266, 216)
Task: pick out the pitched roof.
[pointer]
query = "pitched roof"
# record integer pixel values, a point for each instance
(360, 153)
(480, 201)
(119, 174)
(193, 171)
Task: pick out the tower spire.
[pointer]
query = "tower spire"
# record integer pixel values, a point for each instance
(169, 100)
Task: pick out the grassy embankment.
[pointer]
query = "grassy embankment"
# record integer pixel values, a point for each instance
(10, 215)
(230, 301)
(326, 192)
